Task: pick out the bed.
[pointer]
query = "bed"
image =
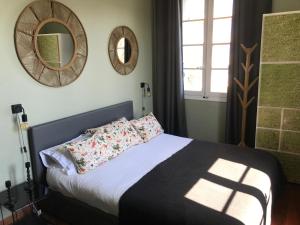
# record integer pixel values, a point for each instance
(168, 180)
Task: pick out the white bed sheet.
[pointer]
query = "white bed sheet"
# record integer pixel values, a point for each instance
(103, 187)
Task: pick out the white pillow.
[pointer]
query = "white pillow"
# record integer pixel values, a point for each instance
(59, 157)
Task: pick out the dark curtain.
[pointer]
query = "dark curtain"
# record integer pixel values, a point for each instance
(168, 91)
(246, 29)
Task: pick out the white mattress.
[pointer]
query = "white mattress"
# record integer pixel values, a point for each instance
(104, 186)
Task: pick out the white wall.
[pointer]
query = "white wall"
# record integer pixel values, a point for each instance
(99, 85)
(285, 5)
(206, 120)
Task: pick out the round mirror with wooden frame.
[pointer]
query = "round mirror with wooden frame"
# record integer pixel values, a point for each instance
(123, 50)
(51, 43)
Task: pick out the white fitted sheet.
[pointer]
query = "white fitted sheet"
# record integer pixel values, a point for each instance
(103, 187)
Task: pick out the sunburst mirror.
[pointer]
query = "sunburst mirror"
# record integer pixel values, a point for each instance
(123, 50)
(51, 43)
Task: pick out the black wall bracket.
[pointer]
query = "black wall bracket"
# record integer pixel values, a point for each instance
(15, 109)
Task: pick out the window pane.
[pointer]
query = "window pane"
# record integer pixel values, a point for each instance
(220, 56)
(193, 32)
(192, 80)
(222, 31)
(193, 9)
(219, 81)
(222, 8)
(192, 56)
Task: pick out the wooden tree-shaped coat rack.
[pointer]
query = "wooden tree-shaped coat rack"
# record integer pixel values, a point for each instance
(246, 87)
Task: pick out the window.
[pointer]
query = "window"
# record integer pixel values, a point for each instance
(206, 29)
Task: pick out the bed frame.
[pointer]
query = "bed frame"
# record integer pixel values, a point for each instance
(59, 131)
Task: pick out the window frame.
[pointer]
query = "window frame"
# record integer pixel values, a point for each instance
(206, 94)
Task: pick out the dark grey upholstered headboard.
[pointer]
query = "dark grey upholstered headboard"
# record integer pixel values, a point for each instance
(59, 131)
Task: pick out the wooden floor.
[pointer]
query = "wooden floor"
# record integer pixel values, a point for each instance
(287, 208)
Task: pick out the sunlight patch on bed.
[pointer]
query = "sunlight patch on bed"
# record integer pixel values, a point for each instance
(228, 169)
(241, 173)
(252, 214)
(259, 180)
(269, 209)
(239, 205)
(209, 194)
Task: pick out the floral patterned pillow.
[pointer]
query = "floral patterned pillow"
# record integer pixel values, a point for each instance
(103, 144)
(108, 127)
(89, 154)
(120, 136)
(148, 127)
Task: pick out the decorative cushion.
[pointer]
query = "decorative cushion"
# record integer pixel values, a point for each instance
(59, 157)
(105, 143)
(108, 127)
(119, 134)
(89, 154)
(148, 127)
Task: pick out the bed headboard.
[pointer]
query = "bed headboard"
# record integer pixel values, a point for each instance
(53, 133)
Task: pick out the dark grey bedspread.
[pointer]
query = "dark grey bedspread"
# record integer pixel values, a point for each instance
(159, 197)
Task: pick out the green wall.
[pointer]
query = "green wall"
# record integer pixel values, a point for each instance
(99, 85)
(202, 112)
(278, 126)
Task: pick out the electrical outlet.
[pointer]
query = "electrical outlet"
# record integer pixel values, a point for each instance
(24, 126)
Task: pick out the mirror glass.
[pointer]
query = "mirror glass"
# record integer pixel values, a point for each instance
(55, 44)
(124, 50)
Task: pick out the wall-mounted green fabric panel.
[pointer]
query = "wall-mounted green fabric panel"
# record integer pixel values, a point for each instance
(280, 85)
(291, 120)
(268, 139)
(48, 47)
(290, 142)
(290, 164)
(278, 125)
(269, 117)
(281, 39)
